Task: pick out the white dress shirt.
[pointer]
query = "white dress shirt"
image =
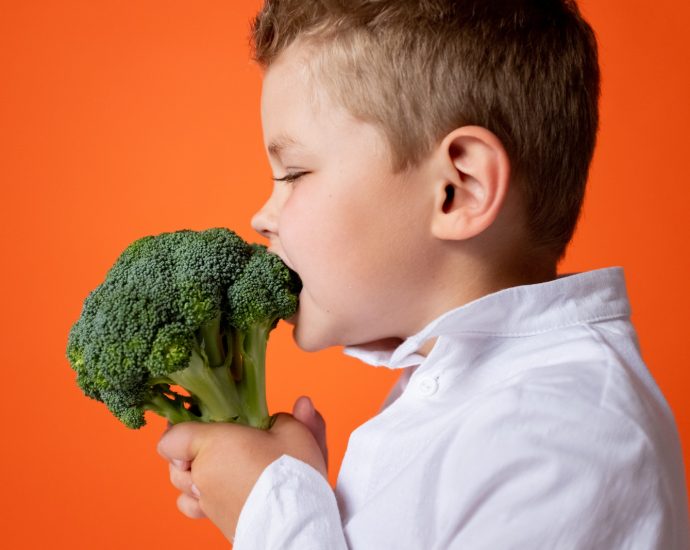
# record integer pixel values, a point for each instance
(533, 423)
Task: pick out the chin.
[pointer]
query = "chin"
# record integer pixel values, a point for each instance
(307, 342)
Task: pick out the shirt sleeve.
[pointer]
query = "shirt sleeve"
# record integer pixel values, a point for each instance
(291, 506)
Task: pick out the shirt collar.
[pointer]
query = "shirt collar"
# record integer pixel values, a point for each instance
(570, 299)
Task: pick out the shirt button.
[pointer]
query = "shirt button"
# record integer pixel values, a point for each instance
(428, 386)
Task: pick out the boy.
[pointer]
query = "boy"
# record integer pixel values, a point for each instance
(431, 159)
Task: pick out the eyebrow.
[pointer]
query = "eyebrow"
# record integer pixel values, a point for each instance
(281, 143)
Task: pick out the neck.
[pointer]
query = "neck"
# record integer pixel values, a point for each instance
(483, 283)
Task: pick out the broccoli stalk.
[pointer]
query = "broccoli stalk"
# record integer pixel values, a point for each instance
(190, 310)
(208, 378)
(212, 390)
(223, 386)
(248, 366)
(172, 408)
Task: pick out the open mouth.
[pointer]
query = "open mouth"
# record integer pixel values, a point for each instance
(296, 287)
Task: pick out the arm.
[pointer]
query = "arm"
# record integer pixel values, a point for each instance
(291, 507)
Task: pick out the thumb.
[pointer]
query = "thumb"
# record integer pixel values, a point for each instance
(304, 411)
(180, 443)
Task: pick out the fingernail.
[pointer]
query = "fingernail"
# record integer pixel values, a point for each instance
(195, 491)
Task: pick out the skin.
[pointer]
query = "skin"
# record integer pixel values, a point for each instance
(363, 240)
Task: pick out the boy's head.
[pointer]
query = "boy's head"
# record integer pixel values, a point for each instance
(424, 127)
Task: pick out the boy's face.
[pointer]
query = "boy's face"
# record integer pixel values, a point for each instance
(356, 234)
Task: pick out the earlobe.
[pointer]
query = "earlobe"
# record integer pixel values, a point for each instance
(473, 181)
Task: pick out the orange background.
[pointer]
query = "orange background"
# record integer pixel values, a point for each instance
(122, 119)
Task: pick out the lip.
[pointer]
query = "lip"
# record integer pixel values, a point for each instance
(280, 254)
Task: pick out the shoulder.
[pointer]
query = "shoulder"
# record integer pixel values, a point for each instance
(563, 433)
(582, 411)
(544, 441)
(549, 407)
(547, 449)
(580, 375)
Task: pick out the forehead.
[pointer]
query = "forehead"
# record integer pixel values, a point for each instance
(289, 93)
(297, 114)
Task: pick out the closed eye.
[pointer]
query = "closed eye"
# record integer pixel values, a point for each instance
(291, 177)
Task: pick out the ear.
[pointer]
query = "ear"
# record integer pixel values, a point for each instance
(474, 171)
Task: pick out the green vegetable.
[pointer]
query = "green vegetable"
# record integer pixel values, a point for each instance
(180, 325)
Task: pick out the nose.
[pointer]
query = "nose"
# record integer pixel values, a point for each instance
(265, 221)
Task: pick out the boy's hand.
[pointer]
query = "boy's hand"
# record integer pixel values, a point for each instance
(215, 466)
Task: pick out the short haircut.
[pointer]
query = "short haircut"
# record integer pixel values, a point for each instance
(527, 70)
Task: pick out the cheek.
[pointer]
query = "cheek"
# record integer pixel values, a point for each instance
(324, 245)
(343, 236)
(308, 232)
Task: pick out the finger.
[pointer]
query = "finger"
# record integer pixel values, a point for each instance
(181, 464)
(182, 480)
(181, 442)
(190, 507)
(304, 411)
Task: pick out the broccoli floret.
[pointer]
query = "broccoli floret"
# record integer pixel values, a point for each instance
(180, 326)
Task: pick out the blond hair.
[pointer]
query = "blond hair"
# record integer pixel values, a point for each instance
(527, 70)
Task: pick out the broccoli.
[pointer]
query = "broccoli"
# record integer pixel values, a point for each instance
(180, 326)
